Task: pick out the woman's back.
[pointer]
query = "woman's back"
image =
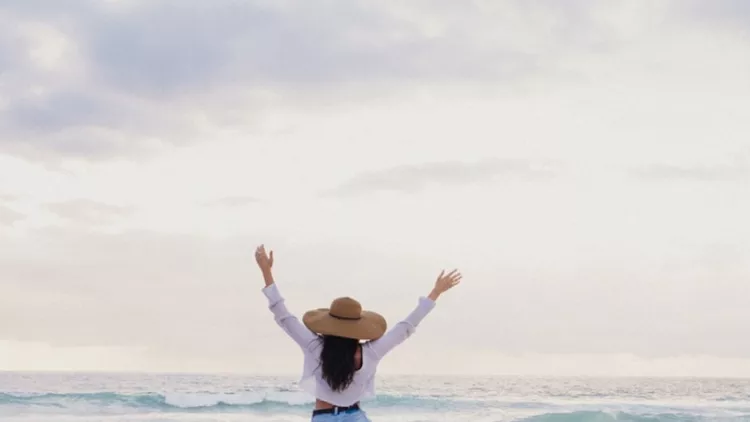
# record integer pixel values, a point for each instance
(362, 385)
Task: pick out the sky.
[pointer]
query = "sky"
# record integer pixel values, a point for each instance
(585, 164)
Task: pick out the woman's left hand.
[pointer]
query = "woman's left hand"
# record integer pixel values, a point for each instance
(445, 282)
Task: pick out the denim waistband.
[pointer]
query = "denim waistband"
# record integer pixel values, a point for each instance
(336, 410)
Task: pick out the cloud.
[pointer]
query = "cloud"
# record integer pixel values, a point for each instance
(97, 80)
(170, 48)
(721, 14)
(130, 280)
(413, 178)
(9, 216)
(88, 211)
(232, 201)
(739, 170)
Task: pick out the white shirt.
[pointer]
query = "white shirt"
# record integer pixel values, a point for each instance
(373, 351)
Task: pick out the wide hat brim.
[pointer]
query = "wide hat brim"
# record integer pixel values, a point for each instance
(370, 326)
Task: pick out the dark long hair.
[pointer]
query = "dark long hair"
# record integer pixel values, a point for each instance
(337, 360)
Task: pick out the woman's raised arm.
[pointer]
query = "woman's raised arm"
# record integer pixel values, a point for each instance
(405, 328)
(288, 322)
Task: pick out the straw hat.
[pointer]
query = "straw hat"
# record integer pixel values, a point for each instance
(345, 318)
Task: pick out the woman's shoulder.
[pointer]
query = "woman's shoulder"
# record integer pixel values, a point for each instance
(314, 347)
(367, 348)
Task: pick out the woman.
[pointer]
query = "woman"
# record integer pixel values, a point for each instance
(343, 344)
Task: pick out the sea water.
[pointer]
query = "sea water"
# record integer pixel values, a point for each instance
(79, 397)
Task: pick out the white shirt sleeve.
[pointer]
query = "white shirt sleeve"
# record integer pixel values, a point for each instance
(401, 331)
(305, 338)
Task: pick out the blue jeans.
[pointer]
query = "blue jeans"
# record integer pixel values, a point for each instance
(345, 416)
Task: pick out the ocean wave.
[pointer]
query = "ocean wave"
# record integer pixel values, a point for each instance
(285, 402)
(272, 400)
(155, 401)
(601, 416)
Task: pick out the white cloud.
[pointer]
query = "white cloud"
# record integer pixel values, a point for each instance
(737, 170)
(232, 201)
(88, 211)
(9, 216)
(411, 178)
(97, 80)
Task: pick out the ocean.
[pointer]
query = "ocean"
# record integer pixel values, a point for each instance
(79, 397)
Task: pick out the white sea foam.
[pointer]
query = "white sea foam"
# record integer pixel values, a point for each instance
(194, 400)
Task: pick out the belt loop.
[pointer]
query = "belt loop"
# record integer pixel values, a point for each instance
(336, 410)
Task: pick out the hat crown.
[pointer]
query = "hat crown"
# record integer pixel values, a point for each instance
(346, 308)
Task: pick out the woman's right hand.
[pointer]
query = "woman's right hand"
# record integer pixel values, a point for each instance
(444, 283)
(265, 263)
